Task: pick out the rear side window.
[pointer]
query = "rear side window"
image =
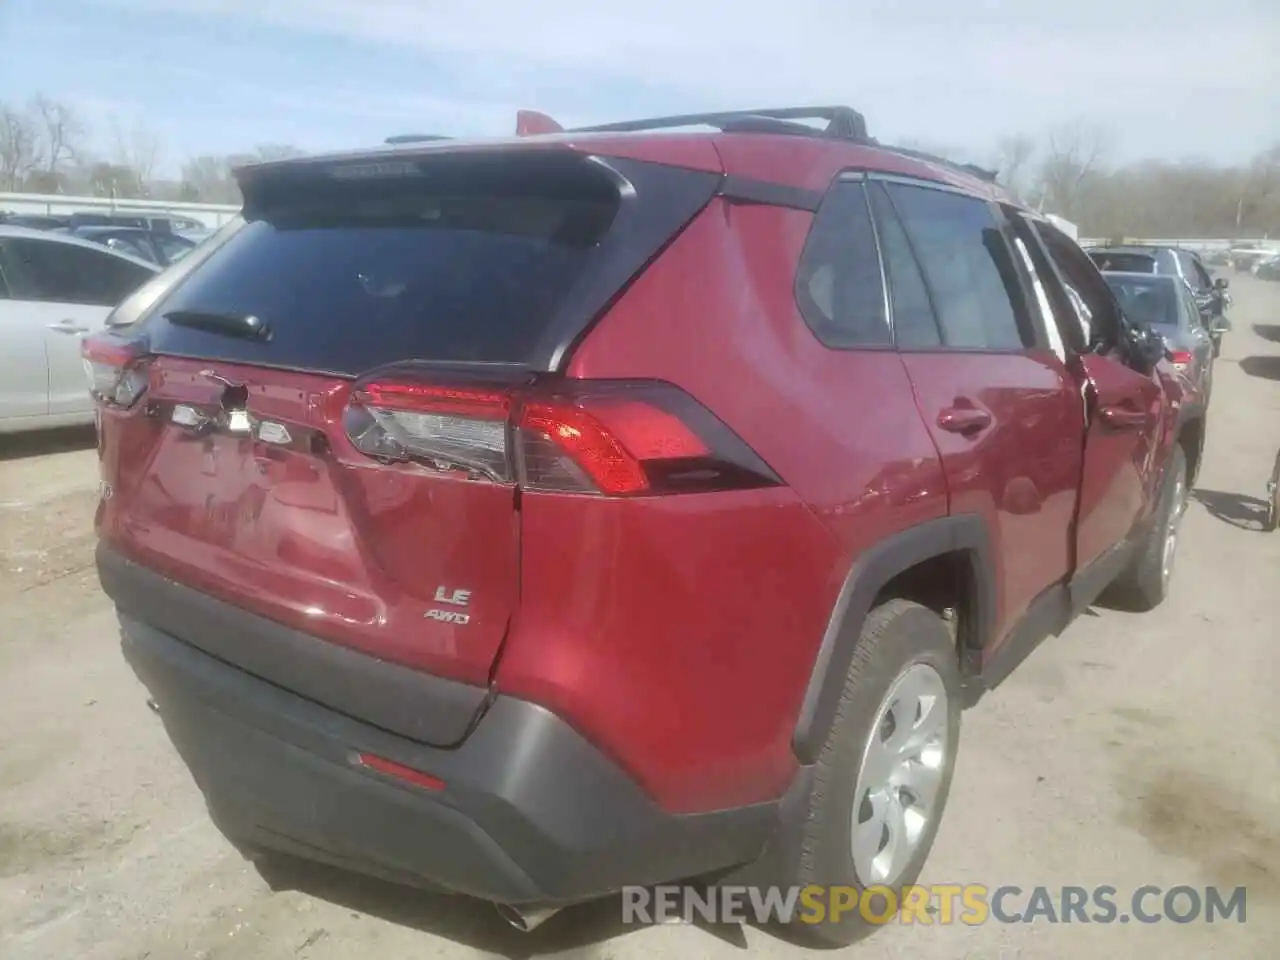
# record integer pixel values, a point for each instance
(1191, 312)
(839, 287)
(64, 273)
(463, 259)
(967, 266)
(1194, 271)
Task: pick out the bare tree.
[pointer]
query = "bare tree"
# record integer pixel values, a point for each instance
(208, 178)
(19, 147)
(114, 180)
(1259, 185)
(139, 150)
(1072, 153)
(276, 151)
(61, 131)
(1012, 162)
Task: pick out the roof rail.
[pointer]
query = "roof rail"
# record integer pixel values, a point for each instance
(982, 173)
(414, 138)
(842, 122)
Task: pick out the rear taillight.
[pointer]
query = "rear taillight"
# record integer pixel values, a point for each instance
(1181, 360)
(117, 370)
(603, 438)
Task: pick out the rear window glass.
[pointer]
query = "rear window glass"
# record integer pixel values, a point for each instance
(1147, 301)
(1124, 262)
(351, 276)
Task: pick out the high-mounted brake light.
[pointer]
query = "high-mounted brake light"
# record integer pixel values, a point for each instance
(598, 438)
(116, 370)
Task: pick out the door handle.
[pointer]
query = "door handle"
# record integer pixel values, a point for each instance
(1120, 417)
(963, 420)
(68, 326)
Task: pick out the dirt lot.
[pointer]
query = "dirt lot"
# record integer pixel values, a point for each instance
(1133, 750)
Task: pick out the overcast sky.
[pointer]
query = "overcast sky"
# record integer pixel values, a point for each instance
(1171, 78)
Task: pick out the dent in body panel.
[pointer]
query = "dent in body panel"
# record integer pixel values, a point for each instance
(324, 540)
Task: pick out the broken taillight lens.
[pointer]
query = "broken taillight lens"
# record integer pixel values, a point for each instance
(116, 370)
(601, 438)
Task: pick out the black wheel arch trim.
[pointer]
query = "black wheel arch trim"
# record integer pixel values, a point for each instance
(869, 574)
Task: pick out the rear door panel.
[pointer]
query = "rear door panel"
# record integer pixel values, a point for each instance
(1020, 473)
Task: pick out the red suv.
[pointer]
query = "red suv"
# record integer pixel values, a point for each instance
(536, 517)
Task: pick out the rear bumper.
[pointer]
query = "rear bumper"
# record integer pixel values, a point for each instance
(529, 813)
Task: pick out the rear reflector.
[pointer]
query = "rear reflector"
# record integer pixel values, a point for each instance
(116, 369)
(602, 438)
(399, 771)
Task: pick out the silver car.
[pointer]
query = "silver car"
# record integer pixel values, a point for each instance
(54, 290)
(1169, 305)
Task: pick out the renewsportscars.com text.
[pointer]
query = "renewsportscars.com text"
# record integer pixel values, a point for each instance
(935, 904)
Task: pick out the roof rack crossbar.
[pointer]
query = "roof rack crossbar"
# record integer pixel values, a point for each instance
(843, 122)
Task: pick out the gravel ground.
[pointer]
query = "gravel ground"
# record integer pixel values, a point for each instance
(1132, 750)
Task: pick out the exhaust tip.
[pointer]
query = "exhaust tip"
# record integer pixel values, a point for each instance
(525, 920)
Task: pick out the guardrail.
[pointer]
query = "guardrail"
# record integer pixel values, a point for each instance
(1204, 244)
(54, 204)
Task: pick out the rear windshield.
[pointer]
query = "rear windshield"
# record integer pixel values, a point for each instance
(1147, 301)
(351, 275)
(1124, 262)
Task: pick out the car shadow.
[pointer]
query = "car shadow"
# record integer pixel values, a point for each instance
(1268, 331)
(1267, 367)
(579, 931)
(1237, 509)
(38, 443)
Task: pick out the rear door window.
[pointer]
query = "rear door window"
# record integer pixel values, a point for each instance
(915, 326)
(968, 268)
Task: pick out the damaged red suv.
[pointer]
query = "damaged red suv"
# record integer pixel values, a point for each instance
(534, 517)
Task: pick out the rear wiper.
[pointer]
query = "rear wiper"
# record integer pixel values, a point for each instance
(231, 324)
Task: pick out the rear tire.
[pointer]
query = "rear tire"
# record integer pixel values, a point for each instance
(1145, 584)
(882, 779)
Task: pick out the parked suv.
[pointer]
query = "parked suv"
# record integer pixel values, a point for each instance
(1210, 293)
(532, 518)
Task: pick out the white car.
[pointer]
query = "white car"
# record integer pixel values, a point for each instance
(54, 290)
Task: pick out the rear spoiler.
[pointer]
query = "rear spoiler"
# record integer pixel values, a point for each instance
(530, 123)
